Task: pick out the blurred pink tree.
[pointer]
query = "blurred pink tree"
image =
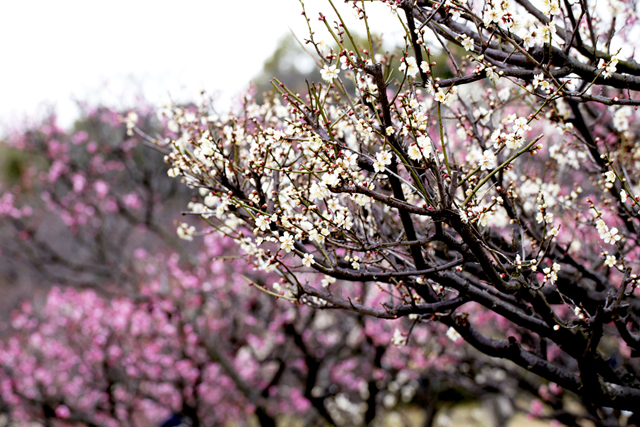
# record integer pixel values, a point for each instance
(137, 325)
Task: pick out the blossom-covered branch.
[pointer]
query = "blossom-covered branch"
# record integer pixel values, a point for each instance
(439, 188)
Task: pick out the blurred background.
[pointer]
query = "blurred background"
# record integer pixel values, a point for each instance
(55, 53)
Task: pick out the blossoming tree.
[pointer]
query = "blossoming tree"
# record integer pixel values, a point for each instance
(508, 190)
(133, 325)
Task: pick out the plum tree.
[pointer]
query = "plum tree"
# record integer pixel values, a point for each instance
(507, 190)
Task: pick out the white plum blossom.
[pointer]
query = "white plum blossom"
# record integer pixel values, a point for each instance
(424, 142)
(608, 67)
(551, 274)
(467, 42)
(383, 158)
(621, 119)
(550, 7)
(610, 261)
(329, 72)
(453, 335)
(286, 242)
(319, 191)
(355, 264)
(492, 75)
(323, 46)
(185, 231)
(316, 236)
(520, 126)
(609, 236)
(414, 152)
(492, 14)
(440, 96)
(540, 218)
(488, 160)
(514, 141)
(331, 179)
(484, 218)
(504, 94)
(421, 148)
(362, 200)
(623, 195)
(130, 121)
(410, 66)
(210, 200)
(262, 222)
(344, 62)
(399, 340)
(610, 179)
(539, 81)
(528, 40)
(611, 67)
(327, 280)
(307, 260)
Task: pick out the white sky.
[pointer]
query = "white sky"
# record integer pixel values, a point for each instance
(52, 52)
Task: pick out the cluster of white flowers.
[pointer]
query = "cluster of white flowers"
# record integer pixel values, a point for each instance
(420, 149)
(564, 154)
(306, 183)
(446, 97)
(539, 81)
(551, 274)
(537, 35)
(608, 67)
(492, 75)
(579, 312)
(488, 160)
(493, 13)
(609, 178)
(383, 158)
(367, 89)
(130, 121)
(185, 231)
(520, 126)
(608, 235)
(200, 158)
(623, 195)
(327, 281)
(550, 7)
(484, 215)
(354, 260)
(286, 242)
(621, 119)
(543, 216)
(344, 411)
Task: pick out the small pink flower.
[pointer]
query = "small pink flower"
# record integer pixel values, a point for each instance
(63, 412)
(101, 188)
(536, 409)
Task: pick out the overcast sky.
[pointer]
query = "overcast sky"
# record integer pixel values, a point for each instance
(53, 52)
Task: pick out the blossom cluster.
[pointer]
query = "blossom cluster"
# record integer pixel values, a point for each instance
(441, 187)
